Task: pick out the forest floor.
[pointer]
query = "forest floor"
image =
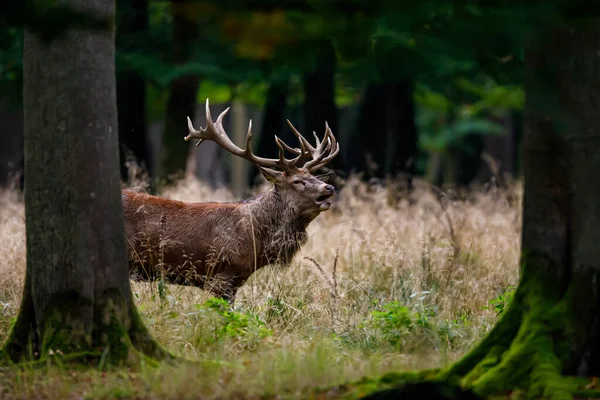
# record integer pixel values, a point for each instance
(385, 284)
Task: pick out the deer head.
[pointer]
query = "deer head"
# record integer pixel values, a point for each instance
(293, 180)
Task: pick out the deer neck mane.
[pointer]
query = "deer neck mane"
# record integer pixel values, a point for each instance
(278, 225)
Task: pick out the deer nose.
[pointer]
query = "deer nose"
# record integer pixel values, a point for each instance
(330, 188)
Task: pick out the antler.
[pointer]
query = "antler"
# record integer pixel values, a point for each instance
(324, 151)
(214, 131)
(321, 154)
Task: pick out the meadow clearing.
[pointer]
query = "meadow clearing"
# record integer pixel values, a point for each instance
(387, 282)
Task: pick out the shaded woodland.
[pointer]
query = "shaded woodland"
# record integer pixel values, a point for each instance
(435, 91)
(410, 91)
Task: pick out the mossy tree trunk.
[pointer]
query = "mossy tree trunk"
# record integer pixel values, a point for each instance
(77, 297)
(551, 330)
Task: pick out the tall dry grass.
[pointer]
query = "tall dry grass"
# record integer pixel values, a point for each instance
(386, 282)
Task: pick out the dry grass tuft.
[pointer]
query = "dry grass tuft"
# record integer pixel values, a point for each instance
(384, 283)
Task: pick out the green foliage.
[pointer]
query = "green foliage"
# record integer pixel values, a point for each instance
(397, 323)
(501, 303)
(438, 135)
(228, 324)
(394, 321)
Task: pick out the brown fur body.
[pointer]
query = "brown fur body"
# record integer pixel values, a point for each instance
(215, 246)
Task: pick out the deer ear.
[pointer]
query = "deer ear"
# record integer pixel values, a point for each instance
(270, 174)
(324, 177)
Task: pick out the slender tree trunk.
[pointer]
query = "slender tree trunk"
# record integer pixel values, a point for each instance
(133, 138)
(175, 150)
(319, 97)
(386, 142)
(131, 92)
(273, 123)
(402, 130)
(517, 137)
(182, 99)
(11, 144)
(469, 159)
(77, 297)
(369, 141)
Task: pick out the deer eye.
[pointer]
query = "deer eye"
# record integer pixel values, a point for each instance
(296, 182)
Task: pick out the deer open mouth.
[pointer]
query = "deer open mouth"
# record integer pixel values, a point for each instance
(324, 201)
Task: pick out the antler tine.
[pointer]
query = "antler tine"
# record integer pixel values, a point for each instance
(295, 151)
(303, 142)
(215, 132)
(321, 154)
(327, 149)
(294, 161)
(249, 137)
(317, 138)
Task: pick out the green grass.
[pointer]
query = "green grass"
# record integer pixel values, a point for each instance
(385, 283)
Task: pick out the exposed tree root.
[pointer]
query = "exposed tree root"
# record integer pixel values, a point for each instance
(528, 349)
(113, 335)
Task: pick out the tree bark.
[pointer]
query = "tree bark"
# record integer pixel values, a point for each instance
(182, 99)
(77, 297)
(131, 93)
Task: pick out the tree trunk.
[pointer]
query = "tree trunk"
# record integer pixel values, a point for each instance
(182, 99)
(551, 328)
(319, 97)
(77, 297)
(517, 137)
(175, 150)
(386, 139)
(469, 159)
(133, 138)
(11, 145)
(547, 342)
(369, 138)
(131, 93)
(402, 130)
(273, 123)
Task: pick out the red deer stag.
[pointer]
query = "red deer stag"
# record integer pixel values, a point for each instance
(218, 246)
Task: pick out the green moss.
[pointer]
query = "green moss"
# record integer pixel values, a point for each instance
(528, 348)
(587, 394)
(107, 331)
(65, 324)
(141, 339)
(369, 385)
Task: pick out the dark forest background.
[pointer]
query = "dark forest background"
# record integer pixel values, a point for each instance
(431, 89)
